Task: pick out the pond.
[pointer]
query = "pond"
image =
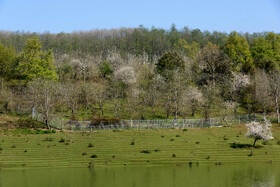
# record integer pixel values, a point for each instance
(215, 175)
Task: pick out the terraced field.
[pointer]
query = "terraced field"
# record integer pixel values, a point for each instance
(134, 147)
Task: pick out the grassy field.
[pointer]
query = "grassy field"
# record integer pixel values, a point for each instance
(169, 147)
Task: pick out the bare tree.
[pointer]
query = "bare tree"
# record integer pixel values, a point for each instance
(275, 84)
(263, 91)
(6, 96)
(71, 93)
(191, 101)
(44, 95)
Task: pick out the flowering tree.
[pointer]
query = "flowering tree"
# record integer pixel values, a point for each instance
(259, 131)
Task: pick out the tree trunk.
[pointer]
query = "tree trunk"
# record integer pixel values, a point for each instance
(47, 123)
(277, 108)
(254, 142)
(73, 114)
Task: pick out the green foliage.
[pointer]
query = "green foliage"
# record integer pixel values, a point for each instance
(237, 48)
(105, 69)
(191, 50)
(29, 123)
(169, 62)
(7, 56)
(33, 63)
(266, 52)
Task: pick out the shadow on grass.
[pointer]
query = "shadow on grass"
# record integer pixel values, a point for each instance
(243, 146)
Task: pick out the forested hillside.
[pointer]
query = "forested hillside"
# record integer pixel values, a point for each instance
(139, 73)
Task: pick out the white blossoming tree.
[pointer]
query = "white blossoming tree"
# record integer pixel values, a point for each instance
(259, 131)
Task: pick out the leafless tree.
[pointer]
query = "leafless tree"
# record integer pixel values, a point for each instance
(44, 95)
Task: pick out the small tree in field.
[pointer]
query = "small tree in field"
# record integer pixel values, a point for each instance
(259, 131)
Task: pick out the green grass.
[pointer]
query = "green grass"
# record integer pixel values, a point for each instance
(115, 149)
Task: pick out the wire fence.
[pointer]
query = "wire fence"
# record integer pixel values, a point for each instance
(63, 124)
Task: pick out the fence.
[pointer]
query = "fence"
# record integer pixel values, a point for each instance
(60, 123)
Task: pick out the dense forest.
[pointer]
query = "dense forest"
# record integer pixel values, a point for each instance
(139, 73)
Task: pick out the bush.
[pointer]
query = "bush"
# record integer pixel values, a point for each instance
(197, 142)
(84, 154)
(185, 129)
(91, 164)
(145, 151)
(62, 140)
(53, 131)
(132, 143)
(172, 139)
(90, 145)
(278, 142)
(173, 155)
(251, 153)
(30, 123)
(105, 121)
(13, 146)
(49, 139)
(48, 131)
(93, 156)
(178, 135)
(225, 137)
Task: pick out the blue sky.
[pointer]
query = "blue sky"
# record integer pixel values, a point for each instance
(69, 15)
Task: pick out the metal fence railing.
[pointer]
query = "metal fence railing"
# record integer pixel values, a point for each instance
(60, 123)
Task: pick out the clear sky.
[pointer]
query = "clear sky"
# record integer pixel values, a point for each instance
(69, 15)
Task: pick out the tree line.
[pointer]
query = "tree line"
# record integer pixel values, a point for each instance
(140, 73)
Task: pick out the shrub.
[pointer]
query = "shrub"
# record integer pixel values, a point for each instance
(48, 131)
(197, 142)
(25, 150)
(90, 145)
(177, 135)
(62, 140)
(29, 123)
(208, 157)
(157, 150)
(145, 151)
(93, 156)
(278, 142)
(172, 139)
(185, 129)
(91, 164)
(84, 154)
(105, 122)
(53, 131)
(225, 137)
(173, 155)
(132, 143)
(1, 148)
(251, 153)
(162, 136)
(49, 139)
(13, 146)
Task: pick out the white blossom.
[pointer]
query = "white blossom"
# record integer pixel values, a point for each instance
(259, 130)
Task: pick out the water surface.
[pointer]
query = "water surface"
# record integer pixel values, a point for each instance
(254, 175)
